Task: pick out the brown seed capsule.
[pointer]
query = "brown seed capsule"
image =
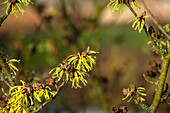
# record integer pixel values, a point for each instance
(115, 109)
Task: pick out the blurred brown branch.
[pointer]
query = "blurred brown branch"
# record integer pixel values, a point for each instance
(75, 32)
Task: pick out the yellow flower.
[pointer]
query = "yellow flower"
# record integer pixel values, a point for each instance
(139, 22)
(21, 97)
(15, 5)
(60, 71)
(18, 108)
(83, 61)
(20, 94)
(78, 76)
(74, 68)
(134, 93)
(9, 64)
(43, 92)
(116, 5)
(12, 66)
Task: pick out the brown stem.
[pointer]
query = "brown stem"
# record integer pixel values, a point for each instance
(155, 20)
(161, 84)
(164, 69)
(72, 26)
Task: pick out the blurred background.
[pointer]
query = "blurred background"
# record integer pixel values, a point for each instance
(50, 30)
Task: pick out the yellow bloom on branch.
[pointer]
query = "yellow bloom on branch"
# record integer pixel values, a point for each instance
(20, 94)
(116, 5)
(62, 70)
(139, 22)
(83, 61)
(77, 77)
(18, 108)
(12, 66)
(45, 92)
(75, 67)
(134, 93)
(15, 5)
(9, 64)
(22, 97)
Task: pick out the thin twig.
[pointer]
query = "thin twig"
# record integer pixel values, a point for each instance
(3, 18)
(131, 9)
(149, 81)
(6, 83)
(155, 20)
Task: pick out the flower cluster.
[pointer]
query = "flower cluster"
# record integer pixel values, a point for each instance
(134, 93)
(15, 5)
(22, 97)
(75, 67)
(139, 22)
(117, 5)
